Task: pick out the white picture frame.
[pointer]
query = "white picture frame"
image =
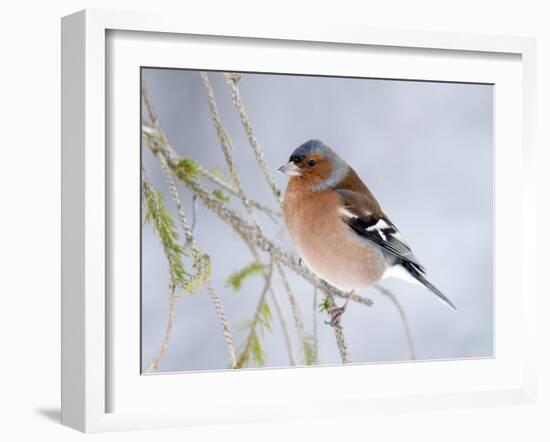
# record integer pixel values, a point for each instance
(86, 204)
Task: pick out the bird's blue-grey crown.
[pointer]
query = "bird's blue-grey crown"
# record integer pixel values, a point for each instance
(339, 166)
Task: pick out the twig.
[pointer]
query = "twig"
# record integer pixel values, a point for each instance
(147, 188)
(247, 346)
(404, 319)
(150, 133)
(340, 340)
(223, 136)
(295, 311)
(227, 148)
(273, 214)
(152, 115)
(179, 206)
(284, 326)
(231, 80)
(194, 214)
(315, 331)
(169, 326)
(339, 334)
(198, 260)
(280, 314)
(223, 321)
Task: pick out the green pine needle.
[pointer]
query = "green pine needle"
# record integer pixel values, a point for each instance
(325, 304)
(189, 167)
(265, 317)
(236, 279)
(310, 350)
(218, 174)
(221, 196)
(252, 349)
(164, 225)
(256, 350)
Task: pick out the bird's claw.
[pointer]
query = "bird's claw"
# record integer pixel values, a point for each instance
(337, 312)
(335, 315)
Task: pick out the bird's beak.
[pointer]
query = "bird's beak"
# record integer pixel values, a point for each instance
(290, 169)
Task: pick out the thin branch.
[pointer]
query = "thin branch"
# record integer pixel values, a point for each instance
(169, 327)
(227, 148)
(194, 214)
(404, 319)
(339, 333)
(223, 322)
(295, 311)
(179, 206)
(150, 133)
(341, 342)
(231, 80)
(280, 314)
(188, 230)
(315, 331)
(248, 343)
(284, 326)
(223, 136)
(175, 269)
(152, 115)
(273, 214)
(198, 260)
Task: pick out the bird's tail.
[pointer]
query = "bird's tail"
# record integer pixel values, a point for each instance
(419, 276)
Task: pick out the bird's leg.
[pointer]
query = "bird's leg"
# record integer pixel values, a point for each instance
(337, 312)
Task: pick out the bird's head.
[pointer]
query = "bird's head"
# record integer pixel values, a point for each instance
(317, 165)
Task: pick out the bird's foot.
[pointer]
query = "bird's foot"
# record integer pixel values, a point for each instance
(337, 312)
(335, 315)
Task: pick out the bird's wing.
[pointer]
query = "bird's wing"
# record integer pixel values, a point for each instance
(373, 225)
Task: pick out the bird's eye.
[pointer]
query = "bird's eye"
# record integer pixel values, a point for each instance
(311, 163)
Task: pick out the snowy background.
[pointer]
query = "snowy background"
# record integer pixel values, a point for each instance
(425, 149)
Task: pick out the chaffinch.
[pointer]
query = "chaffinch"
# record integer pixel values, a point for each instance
(338, 227)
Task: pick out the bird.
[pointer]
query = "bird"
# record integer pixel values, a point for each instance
(339, 229)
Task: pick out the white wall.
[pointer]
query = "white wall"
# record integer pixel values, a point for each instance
(29, 233)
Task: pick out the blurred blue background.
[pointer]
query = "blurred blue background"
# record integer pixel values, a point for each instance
(425, 149)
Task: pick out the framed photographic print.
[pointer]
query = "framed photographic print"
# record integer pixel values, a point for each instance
(400, 123)
(267, 222)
